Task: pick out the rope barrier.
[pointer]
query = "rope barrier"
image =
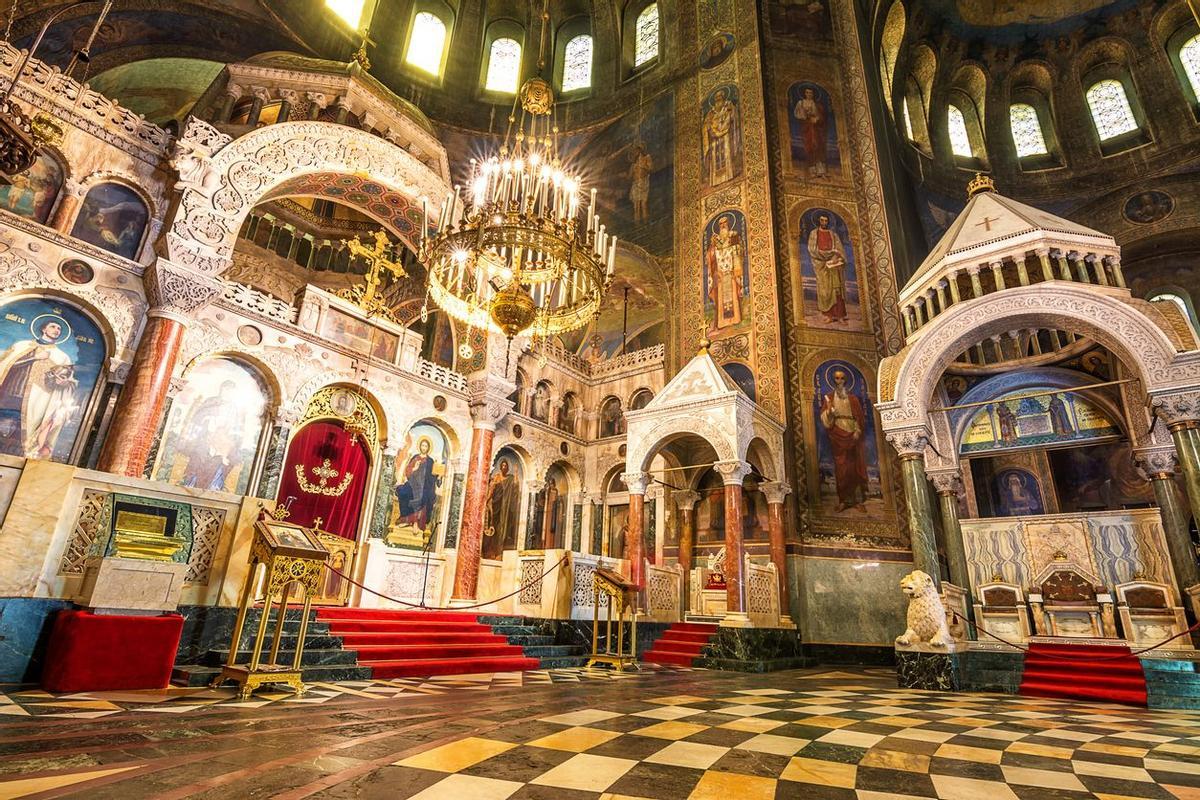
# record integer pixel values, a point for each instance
(518, 590)
(980, 629)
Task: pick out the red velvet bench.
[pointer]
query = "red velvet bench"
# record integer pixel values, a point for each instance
(96, 652)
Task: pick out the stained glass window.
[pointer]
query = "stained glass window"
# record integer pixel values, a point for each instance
(907, 120)
(1189, 54)
(426, 43)
(577, 63)
(504, 66)
(350, 11)
(1026, 130)
(960, 142)
(1110, 109)
(645, 43)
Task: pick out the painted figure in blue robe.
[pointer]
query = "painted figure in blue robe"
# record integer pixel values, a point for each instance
(416, 494)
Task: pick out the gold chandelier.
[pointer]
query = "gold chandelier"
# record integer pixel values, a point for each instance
(520, 254)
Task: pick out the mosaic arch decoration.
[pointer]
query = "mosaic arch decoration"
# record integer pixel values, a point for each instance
(419, 493)
(51, 355)
(219, 192)
(1029, 418)
(214, 428)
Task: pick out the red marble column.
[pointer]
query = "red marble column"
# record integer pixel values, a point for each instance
(64, 216)
(735, 554)
(140, 407)
(634, 540)
(775, 493)
(470, 537)
(686, 502)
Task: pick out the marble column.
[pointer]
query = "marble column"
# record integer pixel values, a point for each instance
(288, 100)
(73, 193)
(776, 492)
(277, 442)
(733, 473)
(637, 482)
(261, 97)
(233, 93)
(1159, 468)
(949, 487)
(488, 401)
(384, 493)
(976, 283)
(174, 294)
(910, 445)
(686, 501)
(316, 104)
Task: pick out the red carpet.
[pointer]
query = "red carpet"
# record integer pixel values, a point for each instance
(681, 644)
(406, 644)
(97, 652)
(1093, 672)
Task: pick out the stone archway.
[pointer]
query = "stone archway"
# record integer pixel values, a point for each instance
(222, 180)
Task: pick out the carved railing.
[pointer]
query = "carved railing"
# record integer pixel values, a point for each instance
(638, 359)
(443, 376)
(762, 594)
(664, 593)
(48, 89)
(260, 303)
(556, 352)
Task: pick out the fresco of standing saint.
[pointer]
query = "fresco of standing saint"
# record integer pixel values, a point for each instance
(50, 358)
(420, 472)
(813, 128)
(726, 272)
(721, 135)
(503, 505)
(828, 269)
(847, 453)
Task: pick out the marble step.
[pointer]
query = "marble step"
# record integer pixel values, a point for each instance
(312, 656)
(1168, 665)
(201, 675)
(526, 640)
(517, 630)
(553, 651)
(321, 641)
(564, 662)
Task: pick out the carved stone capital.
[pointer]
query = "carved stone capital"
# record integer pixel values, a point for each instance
(176, 385)
(1156, 464)
(74, 188)
(686, 499)
(732, 472)
(775, 491)
(289, 95)
(910, 443)
(317, 99)
(261, 92)
(947, 482)
(487, 399)
(1178, 409)
(118, 371)
(655, 492)
(636, 481)
(287, 417)
(178, 292)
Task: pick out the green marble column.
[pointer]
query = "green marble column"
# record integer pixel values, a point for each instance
(1159, 468)
(268, 479)
(919, 509)
(383, 495)
(956, 554)
(1187, 450)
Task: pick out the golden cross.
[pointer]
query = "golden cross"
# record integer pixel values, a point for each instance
(325, 472)
(318, 522)
(377, 262)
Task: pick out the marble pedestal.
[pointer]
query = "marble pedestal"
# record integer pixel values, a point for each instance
(938, 669)
(131, 585)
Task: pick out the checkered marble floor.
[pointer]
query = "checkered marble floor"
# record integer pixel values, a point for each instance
(816, 734)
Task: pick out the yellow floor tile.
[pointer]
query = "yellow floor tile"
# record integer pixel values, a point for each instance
(457, 756)
(820, 773)
(465, 786)
(586, 773)
(1115, 749)
(726, 785)
(23, 787)
(575, 740)
(826, 722)
(1043, 779)
(688, 754)
(1031, 749)
(585, 717)
(671, 730)
(1183, 792)
(776, 745)
(678, 700)
(752, 725)
(896, 759)
(981, 755)
(900, 722)
(950, 787)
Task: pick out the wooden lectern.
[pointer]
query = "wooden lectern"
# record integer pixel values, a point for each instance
(292, 556)
(623, 594)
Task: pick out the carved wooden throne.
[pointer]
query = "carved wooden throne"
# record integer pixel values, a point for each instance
(1067, 600)
(1149, 614)
(1001, 610)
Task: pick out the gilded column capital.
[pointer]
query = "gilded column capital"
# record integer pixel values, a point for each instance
(1156, 464)
(685, 499)
(775, 491)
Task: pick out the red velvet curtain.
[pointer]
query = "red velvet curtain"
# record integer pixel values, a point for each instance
(311, 447)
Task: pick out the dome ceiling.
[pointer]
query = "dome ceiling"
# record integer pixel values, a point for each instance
(997, 13)
(1016, 20)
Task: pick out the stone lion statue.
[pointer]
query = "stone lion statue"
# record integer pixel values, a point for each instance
(926, 614)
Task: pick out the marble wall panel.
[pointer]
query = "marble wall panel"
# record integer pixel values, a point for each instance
(853, 601)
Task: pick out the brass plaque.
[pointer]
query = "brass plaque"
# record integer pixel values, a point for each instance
(140, 523)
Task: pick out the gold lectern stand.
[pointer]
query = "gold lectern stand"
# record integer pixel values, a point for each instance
(623, 594)
(292, 555)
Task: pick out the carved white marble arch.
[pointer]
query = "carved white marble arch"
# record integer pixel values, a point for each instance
(225, 180)
(1126, 327)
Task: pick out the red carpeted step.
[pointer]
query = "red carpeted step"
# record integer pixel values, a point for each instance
(390, 614)
(665, 657)
(1109, 674)
(685, 636)
(418, 651)
(419, 668)
(681, 644)
(370, 638)
(404, 626)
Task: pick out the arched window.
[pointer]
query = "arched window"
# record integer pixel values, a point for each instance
(1189, 56)
(641, 398)
(214, 428)
(577, 63)
(1171, 295)
(645, 46)
(960, 142)
(1111, 112)
(350, 11)
(889, 48)
(1026, 130)
(504, 66)
(427, 43)
(908, 128)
